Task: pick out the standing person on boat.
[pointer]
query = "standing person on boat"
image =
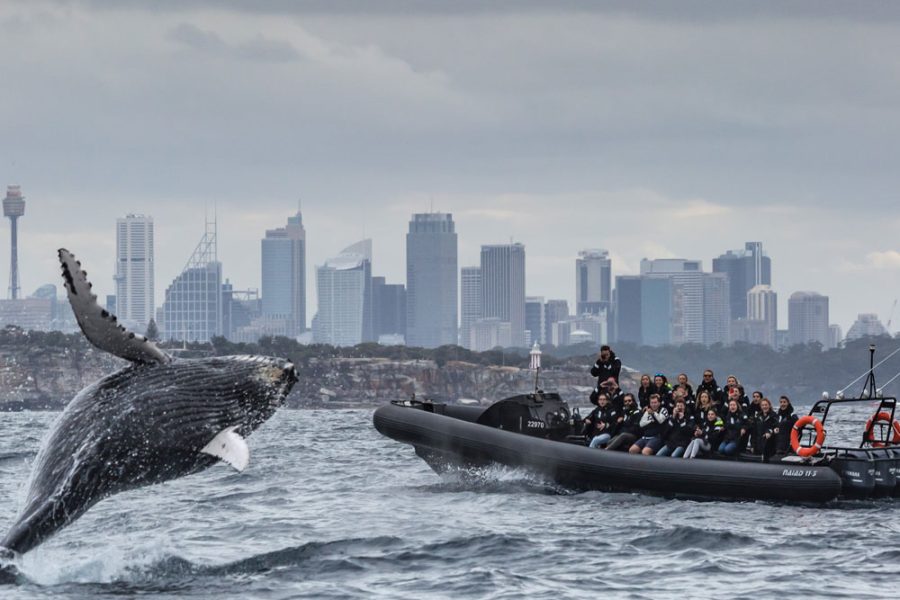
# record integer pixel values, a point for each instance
(607, 366)
(707, 435)
(630, 426)
(786, 419)
(715, 392)
(735, 429)
(680, 431)
(645, 390)
(653, 423)
(765, 423)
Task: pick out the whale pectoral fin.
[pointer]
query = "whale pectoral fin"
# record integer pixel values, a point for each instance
(229, 446)
(99, 326)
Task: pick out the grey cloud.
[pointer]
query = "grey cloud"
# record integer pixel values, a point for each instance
(259, 48)
(658, 10)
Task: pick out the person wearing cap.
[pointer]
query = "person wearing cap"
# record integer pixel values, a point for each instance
(606, 366)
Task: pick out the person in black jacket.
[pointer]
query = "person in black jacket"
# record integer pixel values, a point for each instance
(680, 431)
(644, 391)
(715, 392)
(735, 429)
(607, 366)
(755, 402)
(630, 427)
(654, 420)
(707, 435)
(764, 425)
(680, 394)
(704, 405)
(663, 389)
(786, 419)
(603, 421)
(616, 395)
(682, 379)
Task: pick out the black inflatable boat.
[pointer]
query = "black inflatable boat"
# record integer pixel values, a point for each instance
(532, 431)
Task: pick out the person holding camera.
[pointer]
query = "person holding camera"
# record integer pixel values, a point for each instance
(606, 366)
(680, 431)
(653, 426)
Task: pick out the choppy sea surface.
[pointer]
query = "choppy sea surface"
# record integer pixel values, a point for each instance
(330, 509)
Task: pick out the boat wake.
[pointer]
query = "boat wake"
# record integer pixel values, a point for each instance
(497, 479)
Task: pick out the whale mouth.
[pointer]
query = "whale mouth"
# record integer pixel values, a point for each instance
(284, 374)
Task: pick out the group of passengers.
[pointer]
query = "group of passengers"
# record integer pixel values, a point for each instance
(676, 421)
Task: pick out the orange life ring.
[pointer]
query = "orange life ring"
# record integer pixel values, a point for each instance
(802, 422)
(870, 430)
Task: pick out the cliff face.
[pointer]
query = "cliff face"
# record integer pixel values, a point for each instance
(47, 378)
(375, 381)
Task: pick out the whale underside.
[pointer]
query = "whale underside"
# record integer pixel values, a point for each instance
(142, 425)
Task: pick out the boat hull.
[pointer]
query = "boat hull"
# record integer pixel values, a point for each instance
(444, 439)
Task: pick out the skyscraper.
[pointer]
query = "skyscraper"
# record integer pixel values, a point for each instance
(135, 301)
(431, 281)
(716, 309)
(866, 325)
(808, 318)
(388, 308)
(284, 274)
(503, 287)
(13, 208)
(470, 305)
(687, 279)
(555, 310)
(628, 309)
(593, 282)
(534, 319)
(745, 269)
(192, 309)
(762, 307)
(660, 304)
(341, 287)
(672, 302)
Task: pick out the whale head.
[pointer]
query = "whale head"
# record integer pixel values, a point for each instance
(261, 385)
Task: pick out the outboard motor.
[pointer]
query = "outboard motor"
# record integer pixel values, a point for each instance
(538, 415)
(857, 471)
(885, 471)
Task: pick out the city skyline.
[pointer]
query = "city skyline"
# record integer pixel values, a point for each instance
(574, 259)
(644, 130)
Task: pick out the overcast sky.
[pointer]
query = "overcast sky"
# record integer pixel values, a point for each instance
(661, 130)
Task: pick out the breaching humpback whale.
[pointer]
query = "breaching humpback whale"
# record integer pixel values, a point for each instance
(157, 419)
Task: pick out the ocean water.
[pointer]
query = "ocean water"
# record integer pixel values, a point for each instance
(330, 509)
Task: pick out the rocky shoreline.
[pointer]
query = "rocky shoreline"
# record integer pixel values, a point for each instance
(47, 378)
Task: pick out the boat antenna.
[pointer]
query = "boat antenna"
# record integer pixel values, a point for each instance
(869, 384)
(536, 365)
